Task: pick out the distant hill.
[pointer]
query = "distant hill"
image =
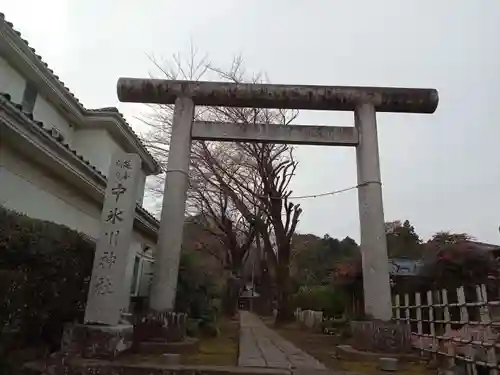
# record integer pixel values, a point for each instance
(304, 242)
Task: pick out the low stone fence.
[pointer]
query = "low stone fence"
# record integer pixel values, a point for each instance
(310, 319)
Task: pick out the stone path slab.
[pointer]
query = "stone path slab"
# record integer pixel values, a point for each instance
(262, 347)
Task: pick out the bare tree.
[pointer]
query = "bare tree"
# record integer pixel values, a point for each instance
(274, 166)
(223, 220)
(239, 189)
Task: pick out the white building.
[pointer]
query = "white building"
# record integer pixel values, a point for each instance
(55, 153)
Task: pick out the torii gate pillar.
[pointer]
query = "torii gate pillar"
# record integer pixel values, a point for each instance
(376, 287)
(168, 251)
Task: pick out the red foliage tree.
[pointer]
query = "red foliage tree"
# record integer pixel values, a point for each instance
(460, 263)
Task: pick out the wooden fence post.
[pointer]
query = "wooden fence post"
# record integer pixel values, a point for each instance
(482, 298)
(420, 332)
(432, 327)
(447, 325)
(464, 320)
(407, 310)
(397, 308)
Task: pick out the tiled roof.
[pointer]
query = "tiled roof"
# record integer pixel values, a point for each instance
(60, 140)
(82, 107)
(402, 266)
(484, 246)
(2, 17)
(115, 110)
(104, 109)
(48, 131)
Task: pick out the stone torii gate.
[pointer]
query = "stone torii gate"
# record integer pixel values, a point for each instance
(364, 101)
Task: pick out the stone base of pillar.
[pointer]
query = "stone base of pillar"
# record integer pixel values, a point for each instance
(381, 337)
(96, 341)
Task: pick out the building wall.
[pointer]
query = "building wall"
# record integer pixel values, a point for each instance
(98, 147)
(141, 187)
(29, 189)
(46, 112)
(37, 192)
(11, 81)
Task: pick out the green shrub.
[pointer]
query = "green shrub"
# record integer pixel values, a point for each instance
(193, 327)
(320, 298)
(209, 329)
(197, 293)
(44, 273)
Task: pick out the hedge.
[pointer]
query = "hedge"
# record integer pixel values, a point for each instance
(45, 269)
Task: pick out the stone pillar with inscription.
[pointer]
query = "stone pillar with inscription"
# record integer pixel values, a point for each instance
(104, 334)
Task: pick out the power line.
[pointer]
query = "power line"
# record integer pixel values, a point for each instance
(302, 196)
(324, 194)
(328, 193)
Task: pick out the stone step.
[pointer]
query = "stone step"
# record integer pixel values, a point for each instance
(101, 367)
(189, 345)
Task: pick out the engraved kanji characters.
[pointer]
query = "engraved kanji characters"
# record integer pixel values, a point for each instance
(107, 260)
(107, 294)
(122, 176)
(125, 164)
(114, 216)
(118, 190)
(103, 286)
(113, 236)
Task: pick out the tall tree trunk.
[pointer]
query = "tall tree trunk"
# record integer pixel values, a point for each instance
(265, 290)
(285, 311)
(230, 301)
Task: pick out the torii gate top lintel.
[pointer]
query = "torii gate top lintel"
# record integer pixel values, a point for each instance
(334, 98)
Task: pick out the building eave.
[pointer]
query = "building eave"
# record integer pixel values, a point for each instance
(120, 128)
(24, 57)
(23, 130)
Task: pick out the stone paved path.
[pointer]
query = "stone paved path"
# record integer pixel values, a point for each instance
(262, 347)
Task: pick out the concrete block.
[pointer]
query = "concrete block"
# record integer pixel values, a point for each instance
(381, 337)
(388, 364)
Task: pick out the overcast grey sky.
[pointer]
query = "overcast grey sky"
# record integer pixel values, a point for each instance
(441, 171)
